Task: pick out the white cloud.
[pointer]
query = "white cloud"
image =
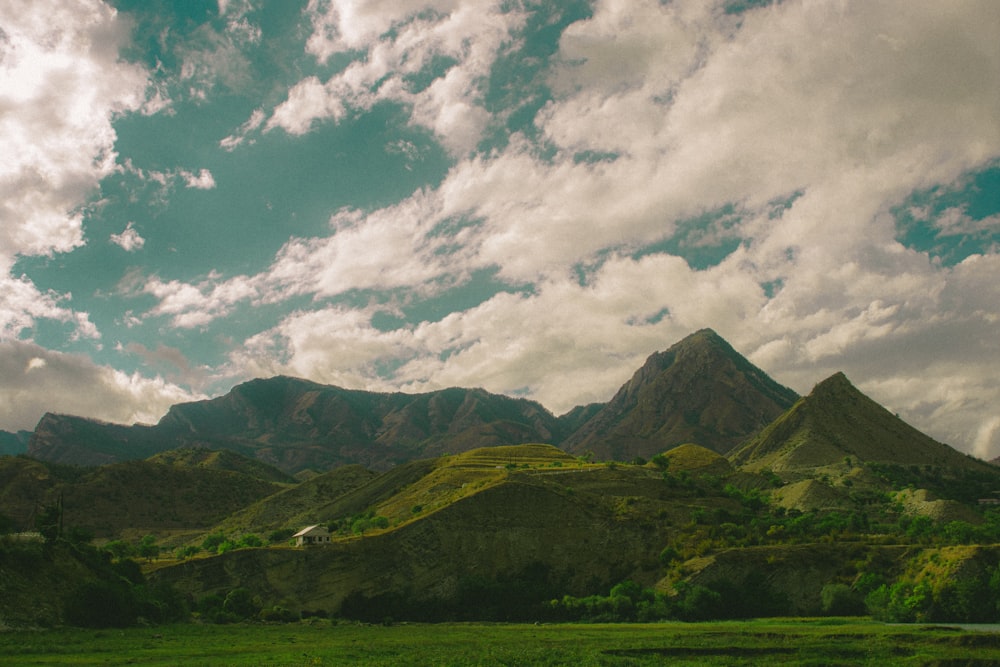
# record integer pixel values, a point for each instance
(842, 109)
(203, 180)
(256, 119)
(307, 101)
(402, 40)
(129, 240)
(37, 380)
(61, 83)
(22, 304)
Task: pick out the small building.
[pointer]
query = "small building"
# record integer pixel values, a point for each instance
(311, 535)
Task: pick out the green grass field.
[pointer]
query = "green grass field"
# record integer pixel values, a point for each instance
(781, 641)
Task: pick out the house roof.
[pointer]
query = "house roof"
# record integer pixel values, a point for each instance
(309, 530)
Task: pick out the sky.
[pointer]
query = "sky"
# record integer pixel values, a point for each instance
(522, 195)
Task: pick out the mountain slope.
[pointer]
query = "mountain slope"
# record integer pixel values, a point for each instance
(132, 498)
(211, 459)
(700, 390)
(528, 521)
(835, 421)
(296, 425)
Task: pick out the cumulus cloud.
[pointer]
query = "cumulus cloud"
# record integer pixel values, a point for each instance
(37, 380)
(61, 84)
(22, 304)
(129, 240)
(807, 124)
(404, 42)
(203, 180)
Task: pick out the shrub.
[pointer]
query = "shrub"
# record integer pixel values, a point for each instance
(212, 542)
(241, 603)
(251, 541)
(280, 535)
(841, 600)
(187, 552)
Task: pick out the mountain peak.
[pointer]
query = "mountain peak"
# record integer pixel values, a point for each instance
(836, 420)
(699, 390)
(835, 384)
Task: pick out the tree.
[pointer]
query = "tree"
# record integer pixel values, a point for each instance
(251, 541)
(119, 549)
(841, 600)
(148, 548)
(49, 522)
(212, 542)
(241, 603)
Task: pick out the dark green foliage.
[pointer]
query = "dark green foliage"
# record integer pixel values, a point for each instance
(518, 596)
(972, 598)
(128, 570)
(668, 555)
(241, 603)
(148, 548)
(359, 523)
(280, 535)
(965, 485)
(210, 609)
(102, 604)
(119, 549)
(628, 602)
(251, 541)
(49, 522)
(7, 525)
(78, 535)
(212, 542)
(841, 600)
(696, 603)
(187, 552)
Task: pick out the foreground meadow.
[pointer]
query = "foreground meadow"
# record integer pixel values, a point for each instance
(783, 641)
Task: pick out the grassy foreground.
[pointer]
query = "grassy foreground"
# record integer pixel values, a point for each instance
(783, 641)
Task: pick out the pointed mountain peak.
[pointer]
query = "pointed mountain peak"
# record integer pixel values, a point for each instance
(835, 384)
(699, 390)
(836, 420)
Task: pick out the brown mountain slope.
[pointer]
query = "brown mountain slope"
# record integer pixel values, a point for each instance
(298, 425)
(214, 459)
(700, 391)
(835, 421)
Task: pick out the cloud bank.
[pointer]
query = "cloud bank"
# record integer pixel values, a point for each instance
(675, 166)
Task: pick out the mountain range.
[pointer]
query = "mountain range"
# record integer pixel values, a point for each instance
(699, 390)
(700, 471)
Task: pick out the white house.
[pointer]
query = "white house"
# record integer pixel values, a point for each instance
(309, 535)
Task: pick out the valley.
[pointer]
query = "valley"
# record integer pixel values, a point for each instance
(703, 490)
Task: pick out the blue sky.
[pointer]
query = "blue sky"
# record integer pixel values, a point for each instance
(531, 197)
